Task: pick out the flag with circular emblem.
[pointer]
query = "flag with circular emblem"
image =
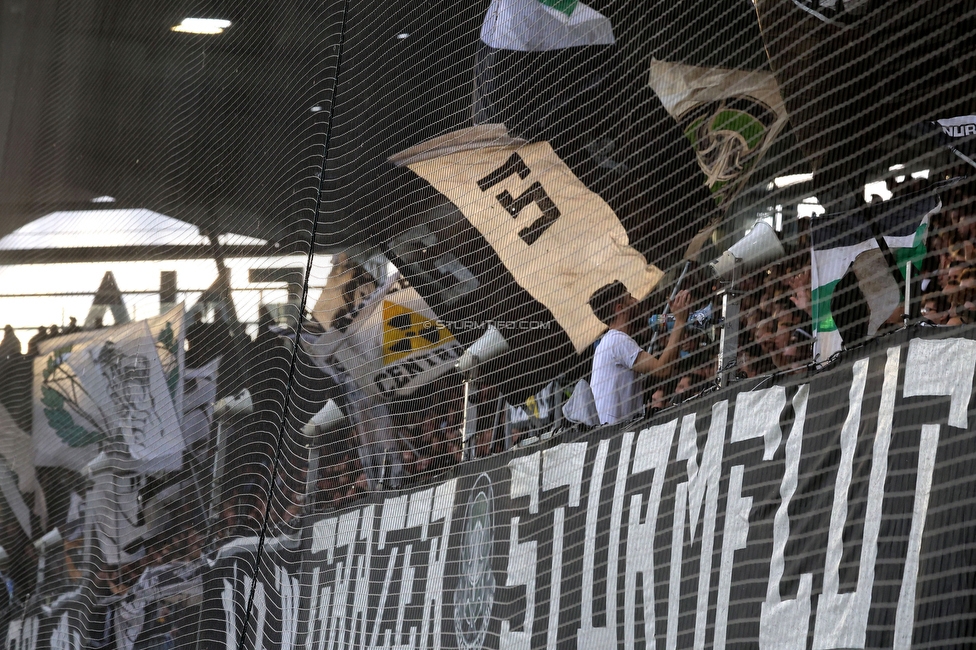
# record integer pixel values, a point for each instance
(731, 118)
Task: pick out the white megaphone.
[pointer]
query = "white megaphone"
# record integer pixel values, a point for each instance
(330, 417)
(104, 462)
(51, 538)
(234, 405)
(488, 346)
(759, 247)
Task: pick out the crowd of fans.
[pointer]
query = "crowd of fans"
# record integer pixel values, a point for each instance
(949, 270)
(266, 487)
(164, 545)
(125, 618)
(775, 335)
(775, 325)
(426, 442)
(10, 345)
(179, 530)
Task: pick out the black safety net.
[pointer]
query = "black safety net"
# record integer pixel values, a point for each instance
(507, 324)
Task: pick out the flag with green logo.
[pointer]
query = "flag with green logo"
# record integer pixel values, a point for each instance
(731, 118)
(113, 383)
(838, 239)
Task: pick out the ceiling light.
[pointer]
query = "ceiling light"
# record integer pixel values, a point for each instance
(103, 199)
(792, 179)
(403, 35)
(316, 108)
(201, 26)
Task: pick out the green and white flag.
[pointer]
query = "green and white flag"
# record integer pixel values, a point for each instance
(97, 385)
(731, 117)
(544, 25)
(838, 239)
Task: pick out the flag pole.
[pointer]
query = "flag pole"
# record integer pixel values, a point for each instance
(896, 274)
(729, 337)
(667, 306)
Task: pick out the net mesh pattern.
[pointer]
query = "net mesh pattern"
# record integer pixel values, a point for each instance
(521, 323)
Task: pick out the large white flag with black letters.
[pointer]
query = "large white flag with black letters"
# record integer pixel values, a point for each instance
(560, 241)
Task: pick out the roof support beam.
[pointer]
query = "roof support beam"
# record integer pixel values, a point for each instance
(128, 254)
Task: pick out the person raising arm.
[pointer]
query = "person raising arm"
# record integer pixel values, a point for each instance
(619, 361)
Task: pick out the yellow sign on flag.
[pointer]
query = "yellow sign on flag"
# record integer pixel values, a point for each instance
(406, 332)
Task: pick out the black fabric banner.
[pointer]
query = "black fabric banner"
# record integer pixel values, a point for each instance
(829, 511)
(835, 511)
(855, 76)
(596, 174)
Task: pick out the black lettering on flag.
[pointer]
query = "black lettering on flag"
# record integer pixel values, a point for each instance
(535, 194)
(514, 205)
(381, 380)
(412, 369)
(514, 165)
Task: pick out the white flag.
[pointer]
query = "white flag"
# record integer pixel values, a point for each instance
(169, 334)
(385, 337)
(97, 385)
(400, 347)
(560, 241)
(536, 26)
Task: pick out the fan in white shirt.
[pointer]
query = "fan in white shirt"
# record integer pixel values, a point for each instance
(619, 361)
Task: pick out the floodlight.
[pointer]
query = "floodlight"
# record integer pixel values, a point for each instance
(201, 26)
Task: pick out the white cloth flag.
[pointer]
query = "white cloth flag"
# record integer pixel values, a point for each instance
(350, 296)
(399, 346)
(393, 342)
(538, 406)
(381, 341)
(93, 386)
(533, 26)
(561, 256)
(198, 399)
(838, 239)
(169, 334)
(963, 126)
(581, 407)
(111, 510)
(17, 450)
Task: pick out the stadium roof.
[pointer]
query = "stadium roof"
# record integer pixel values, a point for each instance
(226, 131)
(108, 228)
(223, 131)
